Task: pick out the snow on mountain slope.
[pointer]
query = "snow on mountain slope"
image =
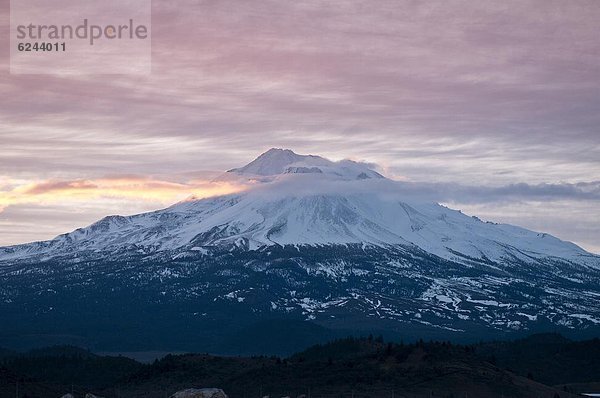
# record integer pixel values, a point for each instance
(309, 200)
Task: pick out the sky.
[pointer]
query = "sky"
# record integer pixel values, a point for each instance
(493, 105)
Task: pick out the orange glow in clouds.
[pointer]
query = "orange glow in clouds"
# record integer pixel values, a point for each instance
(132, 188)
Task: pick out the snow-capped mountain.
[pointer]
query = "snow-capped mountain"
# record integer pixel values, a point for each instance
(309, 200)
(332, 242)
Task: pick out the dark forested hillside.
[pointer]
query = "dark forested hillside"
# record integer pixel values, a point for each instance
(548, 358)
(349, 367)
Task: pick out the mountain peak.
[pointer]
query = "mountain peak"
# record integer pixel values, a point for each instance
(274, 150)
(277, 161)
(274, 161)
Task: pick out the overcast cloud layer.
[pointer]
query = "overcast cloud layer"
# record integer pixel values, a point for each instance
(491, 106)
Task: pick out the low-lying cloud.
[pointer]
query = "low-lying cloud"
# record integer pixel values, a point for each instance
(567, 210)
(583, 191)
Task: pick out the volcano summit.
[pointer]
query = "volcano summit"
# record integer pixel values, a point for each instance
(312, 249)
